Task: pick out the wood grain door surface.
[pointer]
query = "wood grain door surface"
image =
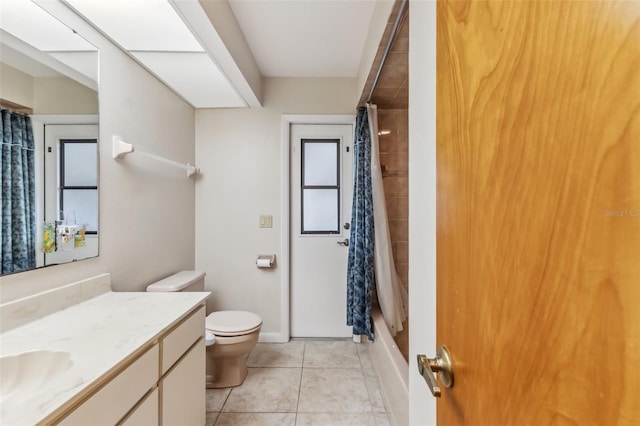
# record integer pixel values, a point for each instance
(538, 211)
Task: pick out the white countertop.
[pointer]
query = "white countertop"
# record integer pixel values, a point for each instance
(101, 334)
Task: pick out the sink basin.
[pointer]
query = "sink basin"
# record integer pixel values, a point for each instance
(23, 372)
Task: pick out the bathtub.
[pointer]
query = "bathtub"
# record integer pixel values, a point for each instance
(393, 371)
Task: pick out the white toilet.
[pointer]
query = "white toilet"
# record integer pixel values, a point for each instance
(236, 333)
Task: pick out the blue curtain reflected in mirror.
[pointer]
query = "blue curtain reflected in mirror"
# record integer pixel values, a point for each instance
(18, 230)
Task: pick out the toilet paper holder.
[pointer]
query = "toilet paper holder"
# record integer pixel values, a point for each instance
(265, 261)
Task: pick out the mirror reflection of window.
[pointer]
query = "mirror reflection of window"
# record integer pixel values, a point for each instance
(71, 190)
(78, 197)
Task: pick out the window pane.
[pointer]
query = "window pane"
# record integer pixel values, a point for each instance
(320, 163)
(80, 164)
(83, 204)
(320, 210)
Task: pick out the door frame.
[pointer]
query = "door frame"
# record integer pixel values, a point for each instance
(422, 205)
(285, 199)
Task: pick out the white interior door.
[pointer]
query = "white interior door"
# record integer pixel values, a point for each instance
(321, 190)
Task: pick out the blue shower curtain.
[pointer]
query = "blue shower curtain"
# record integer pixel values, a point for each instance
(17, 194)
(360, 271)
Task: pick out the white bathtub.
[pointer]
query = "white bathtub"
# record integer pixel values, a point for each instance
(393, 371)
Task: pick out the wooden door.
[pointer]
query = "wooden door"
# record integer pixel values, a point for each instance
(538, 211)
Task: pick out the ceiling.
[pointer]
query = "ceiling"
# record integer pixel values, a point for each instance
(305, 38)
(326, 38)
(234, 43)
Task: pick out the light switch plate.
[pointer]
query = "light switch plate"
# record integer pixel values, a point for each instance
(266, 221)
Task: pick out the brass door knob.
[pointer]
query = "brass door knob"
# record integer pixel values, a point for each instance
(442, 365)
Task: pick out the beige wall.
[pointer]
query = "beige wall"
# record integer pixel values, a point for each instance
(61, 95)
(15, 86)
(47, 95)
(146, 208)
(239, 153)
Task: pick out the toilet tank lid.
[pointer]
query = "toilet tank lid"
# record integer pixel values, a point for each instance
(176, 282)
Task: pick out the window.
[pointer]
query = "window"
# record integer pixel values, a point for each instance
(320, 186)
(79, 182)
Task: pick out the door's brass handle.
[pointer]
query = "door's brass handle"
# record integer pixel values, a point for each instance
(440, 364)
(344, 243)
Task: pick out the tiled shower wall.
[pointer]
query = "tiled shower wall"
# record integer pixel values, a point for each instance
(394, 160)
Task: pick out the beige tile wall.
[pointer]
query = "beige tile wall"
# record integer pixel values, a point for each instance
(394, 155)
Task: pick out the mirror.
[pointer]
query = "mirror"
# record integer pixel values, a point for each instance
(50, 74)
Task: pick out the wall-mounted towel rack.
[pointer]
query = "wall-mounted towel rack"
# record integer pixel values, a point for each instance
(122, 149)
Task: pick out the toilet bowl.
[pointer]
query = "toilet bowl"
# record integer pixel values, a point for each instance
(235, 333)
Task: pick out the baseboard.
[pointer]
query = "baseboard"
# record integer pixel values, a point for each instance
(273, 338)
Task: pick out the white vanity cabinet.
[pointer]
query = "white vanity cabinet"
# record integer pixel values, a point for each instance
(130, 358)
(147, 413)
(119, 394)
(183, 377)
(165, 385)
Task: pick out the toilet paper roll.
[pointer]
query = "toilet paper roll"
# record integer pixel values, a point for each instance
(264, 263)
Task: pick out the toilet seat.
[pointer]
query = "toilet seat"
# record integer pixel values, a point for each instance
(232, 323)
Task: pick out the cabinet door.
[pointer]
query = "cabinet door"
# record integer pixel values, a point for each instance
(180, 339)
(110, 404)
(145, 414)
(183, 389)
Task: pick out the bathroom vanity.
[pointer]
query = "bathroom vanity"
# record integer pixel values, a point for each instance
(103, 357)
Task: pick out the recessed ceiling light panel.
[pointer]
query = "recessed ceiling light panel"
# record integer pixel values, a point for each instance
(30, 23)
(195, 76)
(139, 25)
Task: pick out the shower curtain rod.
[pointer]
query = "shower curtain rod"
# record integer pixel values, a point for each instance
(394, 31)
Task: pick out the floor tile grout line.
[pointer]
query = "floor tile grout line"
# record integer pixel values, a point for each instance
(215, 419)
(226, 398)
(332, 367)
(275, 366)
(260, 412)
(304, 350)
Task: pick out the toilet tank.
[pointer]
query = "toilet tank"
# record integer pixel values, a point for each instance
(182, 281)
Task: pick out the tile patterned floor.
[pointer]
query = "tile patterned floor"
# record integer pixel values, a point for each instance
(302, 383)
